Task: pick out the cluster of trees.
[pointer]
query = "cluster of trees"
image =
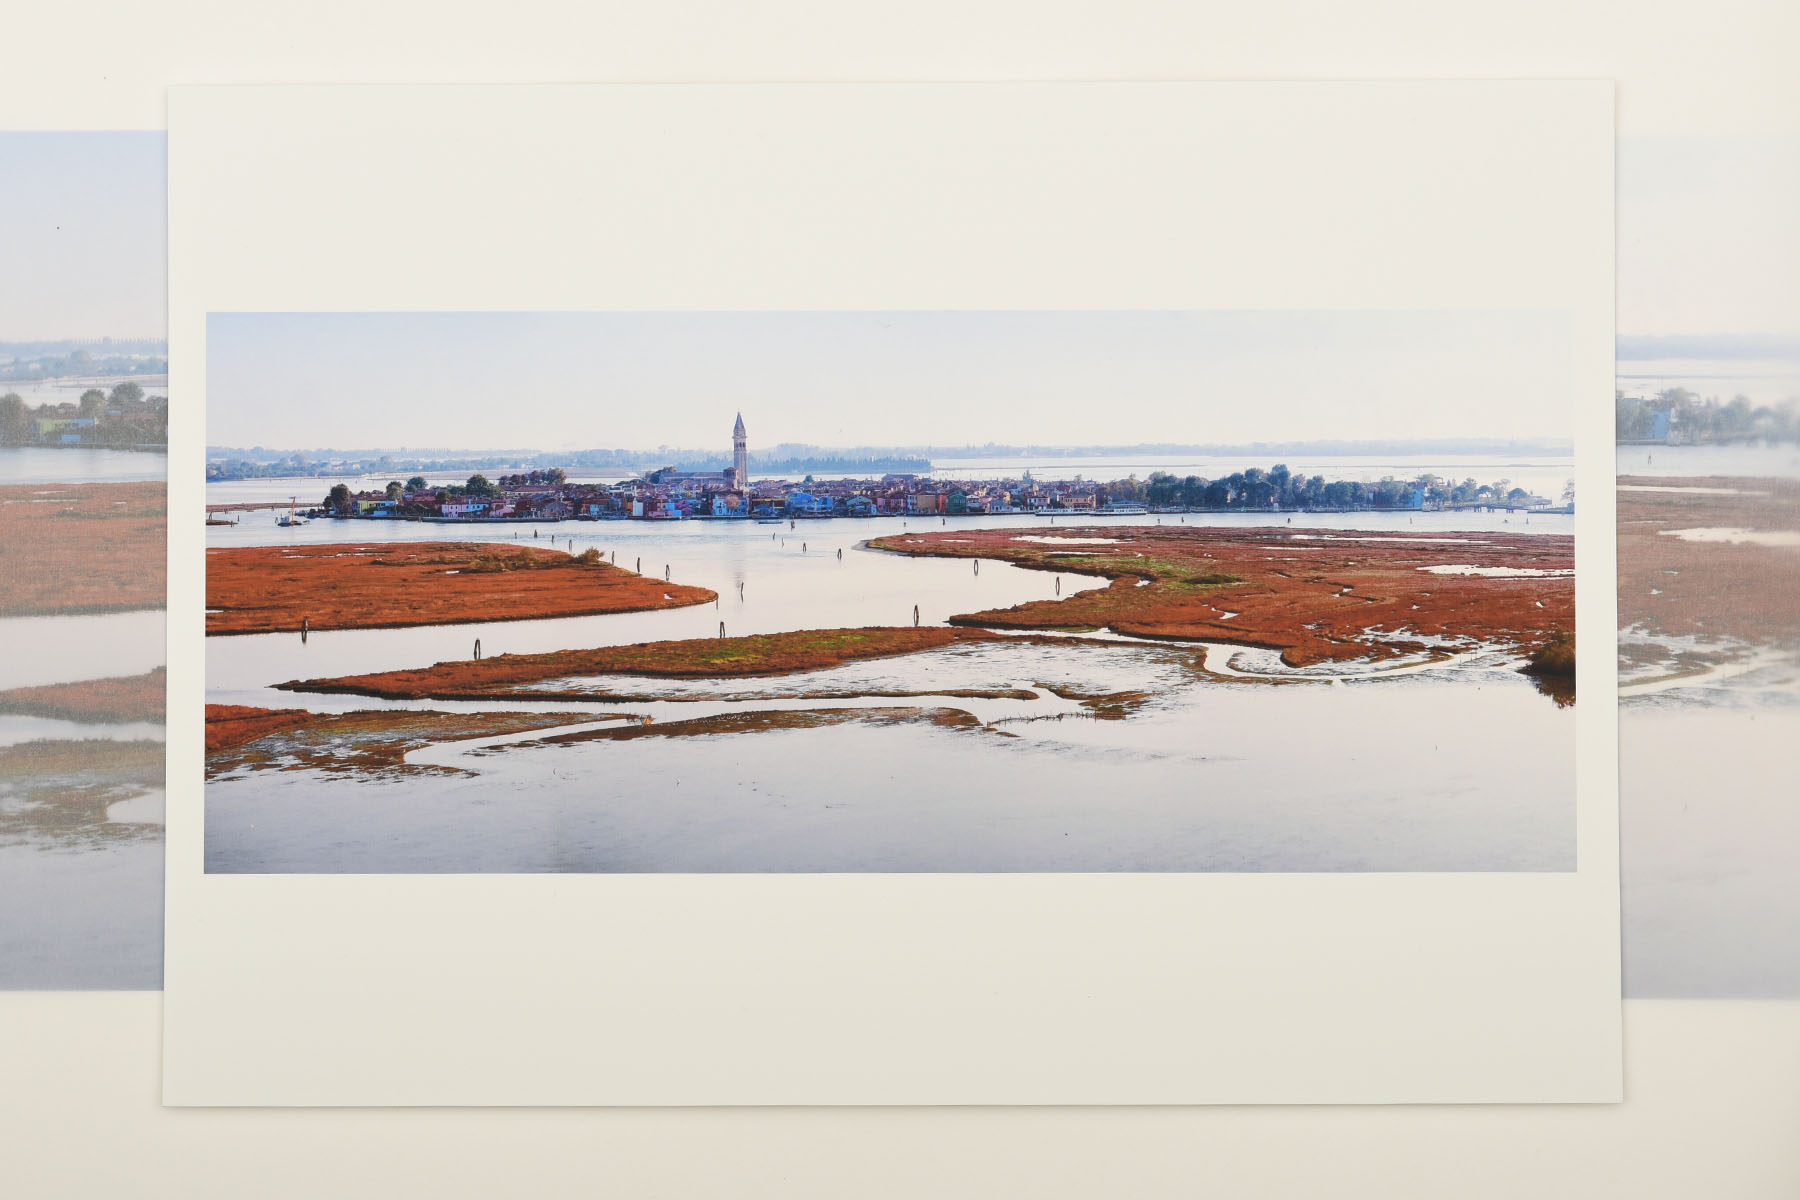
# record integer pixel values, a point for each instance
(555, 476)
(338, 499)
(1278, 487)
(125, 417)
(1692, 419)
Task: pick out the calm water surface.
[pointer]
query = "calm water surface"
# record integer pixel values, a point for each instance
(32, 464)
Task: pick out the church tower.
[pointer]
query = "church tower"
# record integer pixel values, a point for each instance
(740, 453)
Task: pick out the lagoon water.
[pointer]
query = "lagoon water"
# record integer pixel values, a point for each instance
(1762, 460)
(33, 464)
(81, 917)
(59, 649)
(1459, 767)
(78, 911)
(1764, 381)
(1710, 844)
(1426, 776)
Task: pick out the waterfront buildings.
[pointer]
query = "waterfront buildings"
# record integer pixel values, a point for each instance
(670, 494)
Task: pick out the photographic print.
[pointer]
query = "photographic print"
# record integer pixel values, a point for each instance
(890, 591)
(83, 541)
(807, 544)
(1709, 565)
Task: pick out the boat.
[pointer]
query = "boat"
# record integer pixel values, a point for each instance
(288, 519)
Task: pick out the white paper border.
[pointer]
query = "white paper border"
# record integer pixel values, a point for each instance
(928, 989)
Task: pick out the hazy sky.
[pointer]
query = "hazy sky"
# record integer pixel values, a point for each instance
(82, 220)
(1708, 238)
(639, 380)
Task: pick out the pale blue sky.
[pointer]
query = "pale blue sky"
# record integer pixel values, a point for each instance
(82, 226)
(638, 380)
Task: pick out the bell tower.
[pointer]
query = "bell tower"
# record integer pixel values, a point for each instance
(740, 453)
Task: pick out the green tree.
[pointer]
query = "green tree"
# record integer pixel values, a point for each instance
(394, 490)
(93, 404)
(478, 485)
(1279, 478)
(127, 393)
(338, 499)
(15, 425)
(416, 484)
(1735, 418)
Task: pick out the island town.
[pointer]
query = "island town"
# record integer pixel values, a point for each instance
(731, 494)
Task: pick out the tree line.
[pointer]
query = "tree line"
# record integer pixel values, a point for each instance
(1256, 488)
(125, 417)
(1692, 419)
(338, 499)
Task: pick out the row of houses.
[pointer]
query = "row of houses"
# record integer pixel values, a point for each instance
(672, 495)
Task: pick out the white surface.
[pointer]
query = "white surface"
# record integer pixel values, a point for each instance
(1711, 1111)
(887, 988)
(1711, 1101)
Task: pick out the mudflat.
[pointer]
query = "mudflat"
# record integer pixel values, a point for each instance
(105, 701)
(1710, 558)
(692, 658)
(270, 589)
(70, 548)
(1316, 595)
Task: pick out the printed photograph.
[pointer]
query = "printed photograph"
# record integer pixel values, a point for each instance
(83, 543)
(1708, 404)
(889, 592)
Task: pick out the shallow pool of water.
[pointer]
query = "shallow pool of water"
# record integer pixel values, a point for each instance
(69, 649)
